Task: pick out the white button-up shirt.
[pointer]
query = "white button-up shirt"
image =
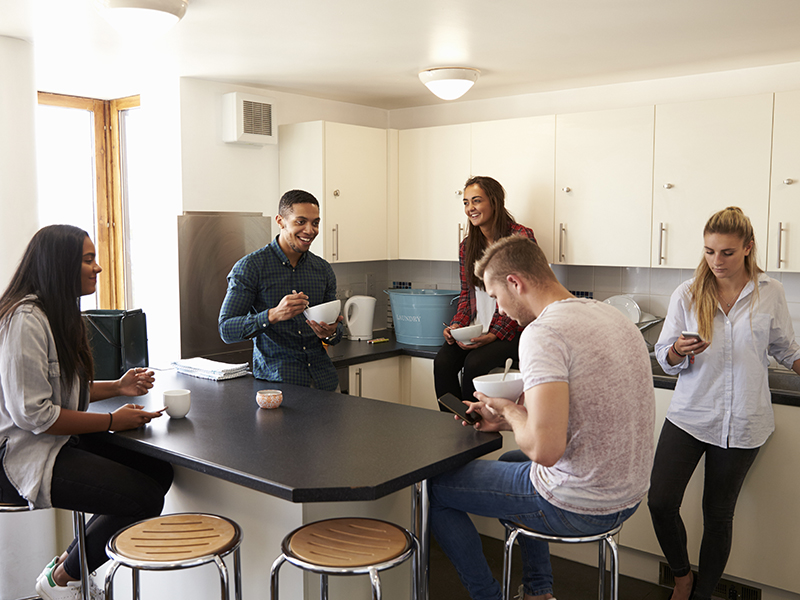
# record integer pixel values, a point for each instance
(723, 398)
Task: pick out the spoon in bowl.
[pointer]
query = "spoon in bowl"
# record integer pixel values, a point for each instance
(508, 366)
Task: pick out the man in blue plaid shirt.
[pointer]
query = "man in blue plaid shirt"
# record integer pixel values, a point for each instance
(268, 291)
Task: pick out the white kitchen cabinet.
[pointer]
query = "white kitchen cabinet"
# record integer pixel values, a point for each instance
(418, 386)
(345, 168)
(520, 154)
(603, 186)
(783, 244)
(766, 536)
(708, 155)
(379, 380)
(434, 164)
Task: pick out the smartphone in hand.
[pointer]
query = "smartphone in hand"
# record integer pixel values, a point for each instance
(456, 406)
(691, 334)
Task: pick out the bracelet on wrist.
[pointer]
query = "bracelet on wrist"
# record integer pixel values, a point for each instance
(110, 421)
(675, 350)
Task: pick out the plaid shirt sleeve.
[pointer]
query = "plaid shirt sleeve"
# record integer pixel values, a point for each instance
(504, 328)
(238, 319)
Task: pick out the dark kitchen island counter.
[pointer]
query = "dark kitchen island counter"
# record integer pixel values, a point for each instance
(317, 447)
(328, 454)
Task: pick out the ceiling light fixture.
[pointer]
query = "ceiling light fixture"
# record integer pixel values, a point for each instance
(150, 18)
(449, 83)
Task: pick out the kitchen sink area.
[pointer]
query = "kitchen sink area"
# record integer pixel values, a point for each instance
(783, 383)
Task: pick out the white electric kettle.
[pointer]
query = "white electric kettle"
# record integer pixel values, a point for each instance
(358, 314)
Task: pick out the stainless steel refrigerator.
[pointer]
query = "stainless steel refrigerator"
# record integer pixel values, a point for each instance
(209, 244)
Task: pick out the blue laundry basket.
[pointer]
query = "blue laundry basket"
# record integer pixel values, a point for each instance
(419, 315)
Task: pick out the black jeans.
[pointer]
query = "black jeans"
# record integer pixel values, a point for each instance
(118, 486)
(676, 458)
(451, 358)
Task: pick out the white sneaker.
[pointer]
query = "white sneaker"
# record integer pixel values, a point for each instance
(49, 591)
(95, 593)
(48, 570)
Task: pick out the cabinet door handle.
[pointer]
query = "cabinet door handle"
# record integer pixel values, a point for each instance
(788, 181)
(459, 192)
(358, 381)
(562, 230)
(335, 193)
(566, 189)
(668, 186)
(335, 244)
(661, 230)
(780, 243)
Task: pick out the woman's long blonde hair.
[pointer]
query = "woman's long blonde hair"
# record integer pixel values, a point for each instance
(705, 296)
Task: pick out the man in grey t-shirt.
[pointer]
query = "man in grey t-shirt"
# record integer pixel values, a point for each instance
(584, 421)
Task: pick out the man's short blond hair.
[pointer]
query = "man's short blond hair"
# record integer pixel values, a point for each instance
(515, 254)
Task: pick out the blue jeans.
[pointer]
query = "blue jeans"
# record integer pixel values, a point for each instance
(502, 490)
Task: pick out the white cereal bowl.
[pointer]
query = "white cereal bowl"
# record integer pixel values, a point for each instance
(465, 334)
(326, 312)
(492, 386)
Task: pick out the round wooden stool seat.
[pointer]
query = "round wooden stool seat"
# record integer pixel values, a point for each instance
(348, 542)
(175, 538)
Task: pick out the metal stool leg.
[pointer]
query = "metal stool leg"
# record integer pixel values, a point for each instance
(237, 573)
(323, 586)
(273, 577)
(223, 578)
(135, 584)
(601, 569)
(614, 567)
(508, 548)
(376, 584)
(109, 578)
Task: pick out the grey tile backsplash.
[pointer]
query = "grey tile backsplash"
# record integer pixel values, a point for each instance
(651, 288)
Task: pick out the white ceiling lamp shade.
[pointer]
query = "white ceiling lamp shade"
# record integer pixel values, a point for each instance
(142, 18)
(449, 83)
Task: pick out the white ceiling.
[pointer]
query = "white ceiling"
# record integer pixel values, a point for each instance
(370, 51)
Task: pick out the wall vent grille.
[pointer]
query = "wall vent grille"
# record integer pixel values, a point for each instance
(257, 117)
(248, 119)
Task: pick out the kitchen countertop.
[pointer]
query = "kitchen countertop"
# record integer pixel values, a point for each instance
(784, 385)
(317, 447)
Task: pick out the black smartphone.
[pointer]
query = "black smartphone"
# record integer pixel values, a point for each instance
(456, 406)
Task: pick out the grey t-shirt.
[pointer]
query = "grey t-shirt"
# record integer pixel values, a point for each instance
(603, 357)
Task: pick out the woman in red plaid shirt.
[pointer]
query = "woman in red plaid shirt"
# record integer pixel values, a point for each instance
(484, 205)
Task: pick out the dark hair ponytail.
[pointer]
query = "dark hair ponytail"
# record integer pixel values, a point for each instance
(50, 269)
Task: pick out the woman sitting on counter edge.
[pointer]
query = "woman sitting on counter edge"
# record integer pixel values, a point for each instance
(489, 220)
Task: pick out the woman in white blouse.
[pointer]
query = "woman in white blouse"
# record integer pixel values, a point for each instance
(721, 406)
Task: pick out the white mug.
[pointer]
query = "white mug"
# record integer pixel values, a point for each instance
(177, 403)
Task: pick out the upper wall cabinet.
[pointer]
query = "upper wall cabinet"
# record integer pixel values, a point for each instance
(520, 154)
(783, 248)
(708, 155)
(345, 167)
(604, 184)
(434, 163)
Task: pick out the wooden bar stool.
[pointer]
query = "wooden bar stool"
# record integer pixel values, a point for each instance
(347, 547)
(79, 528)
(178, 541)
(513, 530)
